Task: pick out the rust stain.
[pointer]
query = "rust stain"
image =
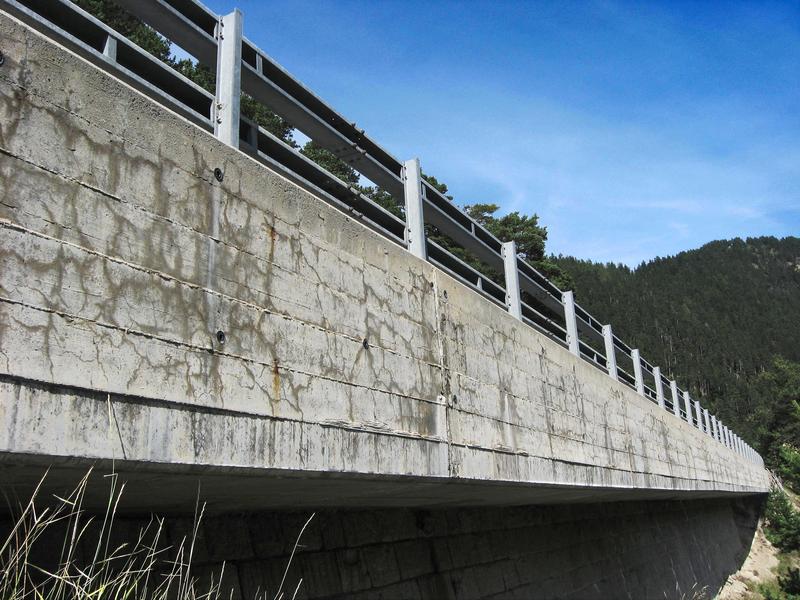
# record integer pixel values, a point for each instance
(273, 235)
(276, 380)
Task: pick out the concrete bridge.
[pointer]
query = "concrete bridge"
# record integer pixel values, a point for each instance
(186, 311)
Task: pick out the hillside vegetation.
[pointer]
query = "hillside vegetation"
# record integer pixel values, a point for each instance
(723, 319)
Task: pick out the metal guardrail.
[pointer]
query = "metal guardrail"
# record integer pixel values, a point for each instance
(216, 41)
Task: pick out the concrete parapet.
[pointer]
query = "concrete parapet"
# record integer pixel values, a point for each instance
(156, 316)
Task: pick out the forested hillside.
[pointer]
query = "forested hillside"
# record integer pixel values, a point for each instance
(724, 319)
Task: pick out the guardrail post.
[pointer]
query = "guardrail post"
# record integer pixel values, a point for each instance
(698, 414)
(728, 437)
(110, 48)
(571, 320)
(707, 420)
(415, 220)
(637, 370)
(611, 354)
(714, 428)
(673, 388)
(513, 302)
(688, 404)
(227, 103)
(659, 386)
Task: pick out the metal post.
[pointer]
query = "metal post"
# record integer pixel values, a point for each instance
(637, 370)
(714, 430)
(110, 48)
(611, 353)
(728, 437)
(688, 404)
(513, 302)
(229, 78)
(673, 387)
(571, 320)
(659, 386)
(698, 414)
(415, 221)
(707, 420)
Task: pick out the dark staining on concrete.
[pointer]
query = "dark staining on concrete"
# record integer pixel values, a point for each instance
(276, 381)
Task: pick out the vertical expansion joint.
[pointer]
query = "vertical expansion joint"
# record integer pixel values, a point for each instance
(513, 299)
(571, 322)
(611, 354)
(415, 220)
(227, 105)
(659, 386)
(637, 370)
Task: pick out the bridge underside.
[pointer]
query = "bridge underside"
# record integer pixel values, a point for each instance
(170, 490)
(634, 549)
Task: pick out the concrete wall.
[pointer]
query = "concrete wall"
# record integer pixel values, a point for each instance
(351, 375)
(637, 550)
(121, 258)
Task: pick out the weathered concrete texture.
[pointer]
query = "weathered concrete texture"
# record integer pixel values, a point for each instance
(636, 550)
(121, 258)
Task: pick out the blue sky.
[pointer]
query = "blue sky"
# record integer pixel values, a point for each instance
(633, 130)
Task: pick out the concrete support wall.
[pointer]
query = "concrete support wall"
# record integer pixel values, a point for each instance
(154, 315)
(636, 550)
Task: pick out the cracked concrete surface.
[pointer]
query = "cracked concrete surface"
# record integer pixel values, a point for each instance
(122, 257)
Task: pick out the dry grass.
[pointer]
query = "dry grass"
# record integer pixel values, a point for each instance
(90, 565)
